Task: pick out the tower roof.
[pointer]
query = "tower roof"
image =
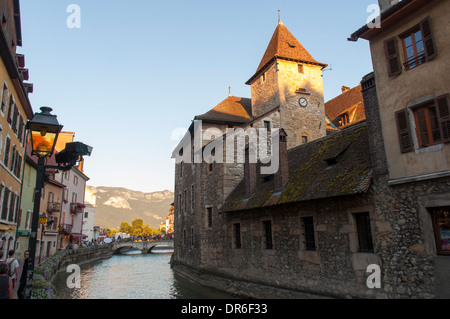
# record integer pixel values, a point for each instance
(284, 45)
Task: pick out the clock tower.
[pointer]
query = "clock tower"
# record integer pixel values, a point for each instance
(290, 79)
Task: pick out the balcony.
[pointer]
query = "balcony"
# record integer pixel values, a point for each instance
(76, 208)
(67, 228)
(54, 207)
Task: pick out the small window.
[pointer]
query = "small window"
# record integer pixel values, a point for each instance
(192, 237)
(209, 216)
(304, 139)
(268, 126)
(237, 235)
(308, 226)
(263, 78)
(300, 68)
(268, 242)
(441, 226)
(364, 232)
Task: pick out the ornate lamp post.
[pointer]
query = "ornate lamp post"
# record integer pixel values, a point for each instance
(44, 129)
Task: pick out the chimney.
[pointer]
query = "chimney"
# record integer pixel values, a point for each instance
(250, 175)
(345, 89)
(386, 4)
(281, 177)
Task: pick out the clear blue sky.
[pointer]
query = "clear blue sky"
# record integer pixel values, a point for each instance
(137, 70)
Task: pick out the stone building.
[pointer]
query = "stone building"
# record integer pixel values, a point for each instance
(339, 206)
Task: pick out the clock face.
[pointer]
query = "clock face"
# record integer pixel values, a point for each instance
(303, 102)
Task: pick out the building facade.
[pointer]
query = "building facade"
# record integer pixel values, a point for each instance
(15, 110)
(340, 206)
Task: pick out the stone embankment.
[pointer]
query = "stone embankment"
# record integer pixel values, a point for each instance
(45, 273)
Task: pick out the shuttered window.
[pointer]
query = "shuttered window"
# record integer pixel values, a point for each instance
(443, 111)
(428, 39)
(392, 56)
(418, 47)
(404, 132)
(427, 126)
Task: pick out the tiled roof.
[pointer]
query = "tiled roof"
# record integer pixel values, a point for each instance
(284, 45)
(348, 171)
(345, 101)
(232, 109)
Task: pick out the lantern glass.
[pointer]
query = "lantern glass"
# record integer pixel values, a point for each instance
(44, 128)
(43, 219)
(43, 143)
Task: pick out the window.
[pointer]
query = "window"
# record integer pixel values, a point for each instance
(268, 243)
(4, 100)
(441, 226)
(7, 146)
(185, 201)
(413, 49)
(184, 237)
(237, 236)
(264, 77)
(267, 126)
(418, 47)
(209, 216)
(75, 180)
(74, 197)
(427, 126)
(304, 139)
(192, 237)
(308, 226)
(300, 68)
(192, 198)
(364, 232)
(432, 122)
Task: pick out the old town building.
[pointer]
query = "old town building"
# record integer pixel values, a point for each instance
(371, 197)
(15, 110)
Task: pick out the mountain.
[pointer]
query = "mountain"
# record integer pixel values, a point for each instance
(114, 205)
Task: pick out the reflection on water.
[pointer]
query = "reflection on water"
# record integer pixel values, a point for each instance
(145, 276)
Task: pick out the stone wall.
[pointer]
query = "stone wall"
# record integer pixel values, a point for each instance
(402, 234)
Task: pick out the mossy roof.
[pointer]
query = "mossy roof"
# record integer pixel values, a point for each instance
(333, 166)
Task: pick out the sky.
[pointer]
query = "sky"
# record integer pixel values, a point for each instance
(133, 73)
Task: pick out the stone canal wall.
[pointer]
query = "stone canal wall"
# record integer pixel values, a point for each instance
(46, 272)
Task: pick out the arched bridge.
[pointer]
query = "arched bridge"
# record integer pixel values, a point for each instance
(145, 247)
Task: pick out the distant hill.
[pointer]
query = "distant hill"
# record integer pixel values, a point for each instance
(114, 205)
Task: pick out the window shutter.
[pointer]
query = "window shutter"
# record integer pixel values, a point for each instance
(404, 132)
(443, 112)
(392, 56)
(428, 39)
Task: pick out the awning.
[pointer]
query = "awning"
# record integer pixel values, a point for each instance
(78, 235)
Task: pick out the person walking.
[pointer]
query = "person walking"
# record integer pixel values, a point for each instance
(13, 267)
(6, 285)
(23, 276)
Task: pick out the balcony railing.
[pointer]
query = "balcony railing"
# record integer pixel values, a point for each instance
(54, 207)
(67, 228)
(76, 208)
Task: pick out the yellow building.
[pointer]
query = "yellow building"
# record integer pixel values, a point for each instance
(15, 110)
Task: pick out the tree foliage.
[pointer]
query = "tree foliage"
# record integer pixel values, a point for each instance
(138, 228)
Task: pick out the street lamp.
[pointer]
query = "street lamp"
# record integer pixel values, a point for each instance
(44, 129)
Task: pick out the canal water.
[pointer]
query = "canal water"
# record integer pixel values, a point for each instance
(143, 276)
